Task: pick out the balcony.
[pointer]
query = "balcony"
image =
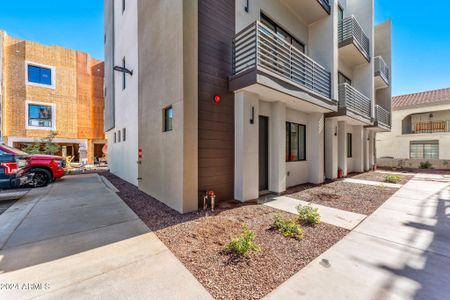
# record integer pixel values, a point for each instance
(430, 127)
(352, 102)
(309, 11)
(354, 45)
(382, 117)
(261, 57)
(382, 75)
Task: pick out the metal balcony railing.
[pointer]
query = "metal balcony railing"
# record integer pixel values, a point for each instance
(351, 31)
(431, 127)
(259, 47)
(355, 101)
(382, 116)
(326, 5)
(381, 69)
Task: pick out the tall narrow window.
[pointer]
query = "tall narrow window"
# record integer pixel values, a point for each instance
(168, 118)
(118, 136)
(349, 145)
(124, 83)
(115, 137)
(123, 5)
(295, 142)
(124, 134)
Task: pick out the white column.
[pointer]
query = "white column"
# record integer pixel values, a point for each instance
(246, 138)
(277, 148)
(371, 149)
(358, 149)
(342, 147)
(366, 150)
(315, 147)
(331, 148)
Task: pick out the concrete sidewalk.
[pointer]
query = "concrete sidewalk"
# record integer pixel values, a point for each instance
(77, 239)
(402, 251)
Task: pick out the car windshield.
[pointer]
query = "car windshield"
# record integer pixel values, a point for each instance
(11, 150)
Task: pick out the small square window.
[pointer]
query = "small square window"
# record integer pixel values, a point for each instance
(40, 115)
(39, 75)
(349, 145)
(168, 118)
(124, 134)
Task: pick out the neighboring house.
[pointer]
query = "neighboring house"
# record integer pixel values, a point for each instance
(243, 97)
(47, 89)
(420, 131)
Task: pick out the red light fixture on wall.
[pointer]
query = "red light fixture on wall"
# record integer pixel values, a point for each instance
(217, 99)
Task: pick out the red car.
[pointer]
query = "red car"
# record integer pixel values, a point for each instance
(45, 168)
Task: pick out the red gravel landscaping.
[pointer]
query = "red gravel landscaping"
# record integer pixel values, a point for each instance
(198, 240)
(358, 198)
(377, 176)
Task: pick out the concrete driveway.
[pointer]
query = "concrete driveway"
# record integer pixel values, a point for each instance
(402, 251)
(77, 239)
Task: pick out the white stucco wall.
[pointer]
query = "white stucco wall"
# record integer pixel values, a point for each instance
(122, 157)
(395, 144)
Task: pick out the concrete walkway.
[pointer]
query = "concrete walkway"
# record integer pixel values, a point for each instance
(402, 251)
(329, 215)
(77, 239)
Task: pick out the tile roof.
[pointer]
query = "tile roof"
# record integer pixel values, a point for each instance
(427, 98)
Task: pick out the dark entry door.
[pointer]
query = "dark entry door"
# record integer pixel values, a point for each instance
(263, 153)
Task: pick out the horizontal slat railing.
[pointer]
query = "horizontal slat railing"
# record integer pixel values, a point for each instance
(381, 68)
(355, 101)
(349, 28)
(431, 127)
(383, 116)
(257, 46)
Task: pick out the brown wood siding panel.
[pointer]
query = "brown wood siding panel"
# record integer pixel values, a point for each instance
(216, 122)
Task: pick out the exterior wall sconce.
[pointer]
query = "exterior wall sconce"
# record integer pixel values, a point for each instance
(123, 70)
(252, 117)
(247, 6)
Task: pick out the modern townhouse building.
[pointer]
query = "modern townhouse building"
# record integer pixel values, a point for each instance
(47, 89)
(420, 131)
(247, 97)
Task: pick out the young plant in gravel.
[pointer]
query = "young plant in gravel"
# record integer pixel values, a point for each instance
(392, 178)
(308, 215)
(287, 227)
(244, 243)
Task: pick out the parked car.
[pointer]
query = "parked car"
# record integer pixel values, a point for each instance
(44, 168)
(12, 168)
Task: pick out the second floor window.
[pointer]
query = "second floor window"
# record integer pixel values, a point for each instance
(282, 34)
(40, 115)
(39, 75)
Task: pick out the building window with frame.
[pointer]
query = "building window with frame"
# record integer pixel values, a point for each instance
(118, 136)
(295, 142)
(168, 118)
(124, 134)
(115, 137)
(282, 34)
(349, 145)
(424, 150)
(40, 75)
(40, 116)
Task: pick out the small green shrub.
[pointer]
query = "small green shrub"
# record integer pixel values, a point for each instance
(392, 178)
(244, 243)
(308, 215)
(425, 165)
(287, 227)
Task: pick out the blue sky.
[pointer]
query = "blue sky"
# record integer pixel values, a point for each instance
(75, 24)
(421, 34)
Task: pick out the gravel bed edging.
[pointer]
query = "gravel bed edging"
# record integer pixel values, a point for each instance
(198, 240)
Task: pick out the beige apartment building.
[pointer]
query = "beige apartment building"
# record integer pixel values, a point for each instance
(420, 131)
(243, 97)
(48, 89)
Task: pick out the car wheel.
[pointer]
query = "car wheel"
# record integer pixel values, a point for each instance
(41, 177)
